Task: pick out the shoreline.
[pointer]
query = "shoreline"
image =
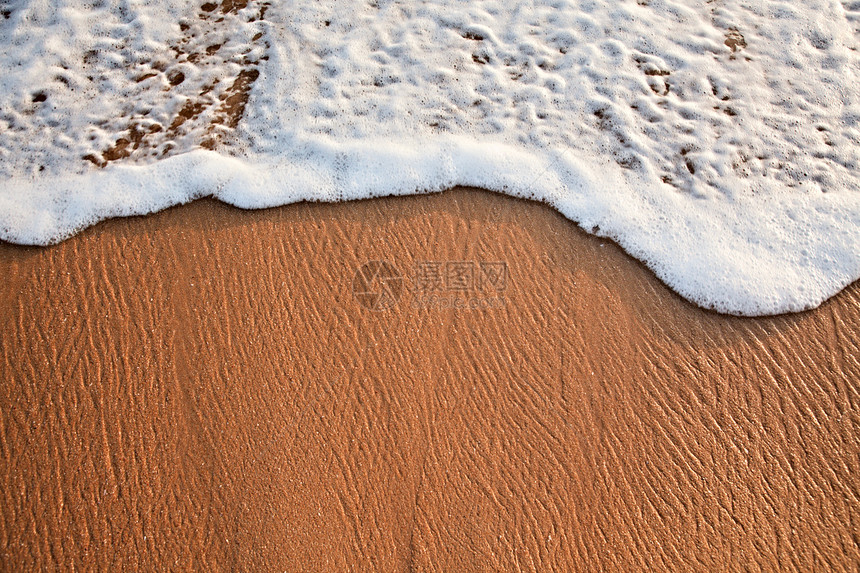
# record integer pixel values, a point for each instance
(762, 269)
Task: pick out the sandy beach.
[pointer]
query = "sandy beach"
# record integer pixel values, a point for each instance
(215, 389)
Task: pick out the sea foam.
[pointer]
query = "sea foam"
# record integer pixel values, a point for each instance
(717, 143)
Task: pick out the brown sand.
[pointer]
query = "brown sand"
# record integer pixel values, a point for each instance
(200, 389)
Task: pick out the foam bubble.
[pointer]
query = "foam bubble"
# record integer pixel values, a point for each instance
(717, 143)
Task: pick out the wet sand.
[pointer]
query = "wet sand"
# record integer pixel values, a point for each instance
(202, 389)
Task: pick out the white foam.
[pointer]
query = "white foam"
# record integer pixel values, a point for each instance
(733, 174)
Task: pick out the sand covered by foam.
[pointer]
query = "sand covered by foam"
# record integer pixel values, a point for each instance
(717, 143)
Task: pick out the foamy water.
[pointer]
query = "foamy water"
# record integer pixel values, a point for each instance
(717, 142)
